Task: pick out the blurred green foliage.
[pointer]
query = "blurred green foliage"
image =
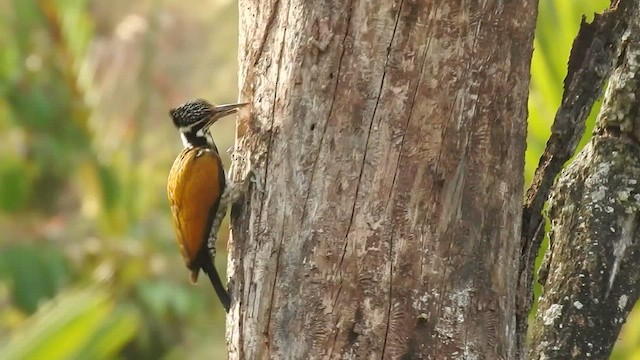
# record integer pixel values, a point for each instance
(85, 324)
(87, 252)
(34, 273)
(87, 256)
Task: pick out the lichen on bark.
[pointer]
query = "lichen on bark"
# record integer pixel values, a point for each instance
(591, 273)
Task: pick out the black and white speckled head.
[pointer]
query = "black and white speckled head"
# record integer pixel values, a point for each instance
(194, 118)
(191, 113)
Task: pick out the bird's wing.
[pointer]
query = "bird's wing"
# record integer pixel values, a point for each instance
(193, 191)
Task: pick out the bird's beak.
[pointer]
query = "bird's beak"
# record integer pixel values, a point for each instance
(221, 111)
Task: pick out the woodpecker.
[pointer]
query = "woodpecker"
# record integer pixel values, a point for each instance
(198, 190)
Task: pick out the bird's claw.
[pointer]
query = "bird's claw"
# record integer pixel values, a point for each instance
(211, 242)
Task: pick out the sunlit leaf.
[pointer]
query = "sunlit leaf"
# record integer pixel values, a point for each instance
(67, 327)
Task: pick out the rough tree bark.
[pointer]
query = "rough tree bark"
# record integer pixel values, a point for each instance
(591, 274)
(389, 137)
(595, 51)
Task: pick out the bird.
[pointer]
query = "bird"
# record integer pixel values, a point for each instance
(198, 191)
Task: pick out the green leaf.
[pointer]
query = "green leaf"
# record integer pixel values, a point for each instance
(34, 273)
(16, 181)
(74, 325)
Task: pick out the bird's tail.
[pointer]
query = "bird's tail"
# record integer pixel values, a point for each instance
(209, 268)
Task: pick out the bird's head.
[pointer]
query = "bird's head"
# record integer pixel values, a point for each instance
(194, 118)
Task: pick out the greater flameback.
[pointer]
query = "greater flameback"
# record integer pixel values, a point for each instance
(196, 187)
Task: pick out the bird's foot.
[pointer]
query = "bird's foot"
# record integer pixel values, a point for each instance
(213, 237)
(235, 190)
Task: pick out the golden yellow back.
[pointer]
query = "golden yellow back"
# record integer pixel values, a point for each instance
(194, 190)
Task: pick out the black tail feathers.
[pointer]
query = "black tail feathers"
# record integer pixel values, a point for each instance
(209, 268)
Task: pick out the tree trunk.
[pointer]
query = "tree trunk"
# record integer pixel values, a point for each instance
(389, 139)
(591, 273)
(595, 52)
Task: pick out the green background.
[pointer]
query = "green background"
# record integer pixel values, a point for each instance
(89, 268)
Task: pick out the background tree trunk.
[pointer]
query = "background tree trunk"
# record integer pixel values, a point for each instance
(591, 273)
(390, 137)
(595, 52)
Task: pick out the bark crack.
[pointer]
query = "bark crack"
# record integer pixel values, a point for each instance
(482, 224)
(448, 258)
(315, 163)
(415, 96)
(275, 274)
(270, 140)
(450, 245)
(384, 73)
(266, 32)
(267, 161)
(326, 123)
(335, 326)
(257, 56)
(473, 281)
